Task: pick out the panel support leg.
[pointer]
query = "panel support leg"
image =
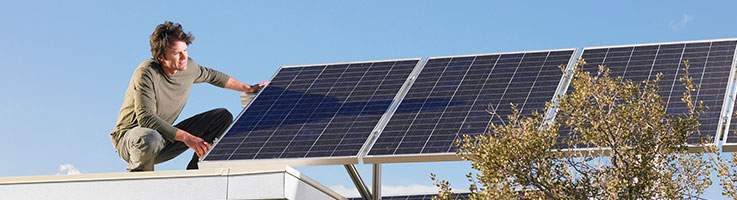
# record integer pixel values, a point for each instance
(376, 182)
(360, 185)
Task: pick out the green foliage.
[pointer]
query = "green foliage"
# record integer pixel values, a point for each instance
(623, 145)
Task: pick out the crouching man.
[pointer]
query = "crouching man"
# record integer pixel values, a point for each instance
(158, 90)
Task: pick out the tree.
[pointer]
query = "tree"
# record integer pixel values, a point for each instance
(726, 170)
(626, 146)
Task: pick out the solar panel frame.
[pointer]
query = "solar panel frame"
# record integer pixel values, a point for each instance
(728, 137)
(725, 108)
(392, 108)
(327, 160)
(451, 156)
(457, 196)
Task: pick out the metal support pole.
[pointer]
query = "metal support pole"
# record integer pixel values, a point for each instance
(376, 182)
(360, 185)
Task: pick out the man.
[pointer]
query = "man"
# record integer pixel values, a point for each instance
(158, 90)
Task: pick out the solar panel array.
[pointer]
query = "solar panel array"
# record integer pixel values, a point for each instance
(314, 111)
(710, 64)
(451, 95)
(379, 111)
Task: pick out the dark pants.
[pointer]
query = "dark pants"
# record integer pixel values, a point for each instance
(144, 147)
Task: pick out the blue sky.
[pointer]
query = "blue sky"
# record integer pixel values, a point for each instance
(66, 64)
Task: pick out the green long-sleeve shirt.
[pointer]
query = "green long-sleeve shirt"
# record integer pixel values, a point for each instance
(154, 100)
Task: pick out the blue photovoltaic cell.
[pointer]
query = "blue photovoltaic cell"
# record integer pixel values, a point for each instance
(458, 196)
(710, 62)
(314, 111)
(450, 97)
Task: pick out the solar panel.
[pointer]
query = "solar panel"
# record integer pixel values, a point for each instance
(458, 196)
(314, 111)
(710, 62)
(450, 96)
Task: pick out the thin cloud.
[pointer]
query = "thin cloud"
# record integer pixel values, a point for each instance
(67, 169)
(676, 25)
(390, 190)
(346, 192)
(408, 189)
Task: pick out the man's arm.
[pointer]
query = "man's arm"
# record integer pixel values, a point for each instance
(217, 78)
(240, 86)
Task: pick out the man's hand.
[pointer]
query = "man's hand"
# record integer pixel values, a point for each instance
(240, 86)
(198, 144)
(257, 87)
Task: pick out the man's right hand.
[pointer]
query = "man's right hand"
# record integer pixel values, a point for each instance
(199, 145)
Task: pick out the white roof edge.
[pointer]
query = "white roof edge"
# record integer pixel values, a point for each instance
(253, 170)
(145, 175)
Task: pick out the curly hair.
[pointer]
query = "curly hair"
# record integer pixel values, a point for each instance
(166, 33)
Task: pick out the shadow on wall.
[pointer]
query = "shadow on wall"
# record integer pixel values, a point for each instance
(309, 109)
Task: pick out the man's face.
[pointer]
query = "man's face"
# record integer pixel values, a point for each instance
(176, 56)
